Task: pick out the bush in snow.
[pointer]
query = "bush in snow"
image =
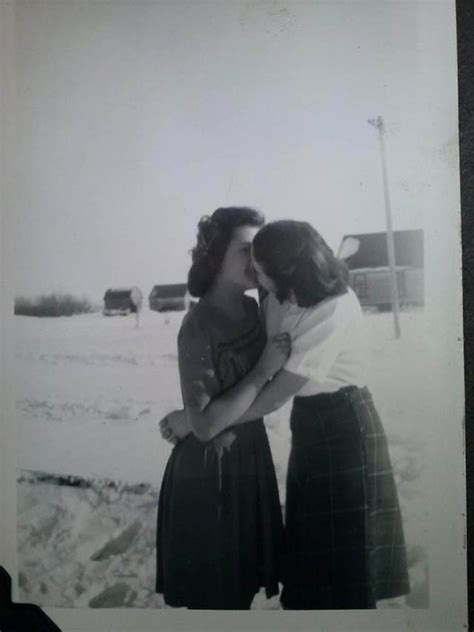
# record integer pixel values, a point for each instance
(52, 305)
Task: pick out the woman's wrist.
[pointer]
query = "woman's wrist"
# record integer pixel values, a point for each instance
(263, 370)
(261, 375)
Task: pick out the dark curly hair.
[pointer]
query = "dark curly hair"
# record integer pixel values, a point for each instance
(296, 258)
(214, 235)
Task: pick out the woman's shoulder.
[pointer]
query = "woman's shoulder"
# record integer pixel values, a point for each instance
(345, 299)
(350, 298)
(348, 306)
(194, 322)
(336, 309)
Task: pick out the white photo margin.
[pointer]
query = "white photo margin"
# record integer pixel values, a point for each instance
(447, 528)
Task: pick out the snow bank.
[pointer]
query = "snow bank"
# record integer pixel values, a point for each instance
(90, 393)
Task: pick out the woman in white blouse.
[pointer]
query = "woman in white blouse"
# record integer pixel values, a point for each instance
(344, 533)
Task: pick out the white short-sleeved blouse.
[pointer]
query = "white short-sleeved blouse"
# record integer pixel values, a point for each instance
(327, 341)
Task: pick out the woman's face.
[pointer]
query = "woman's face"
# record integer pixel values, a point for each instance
(263, 279)
(237, 265)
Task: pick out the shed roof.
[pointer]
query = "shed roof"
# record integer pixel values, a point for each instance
(121, 292)
(176, 290)
(372, 251)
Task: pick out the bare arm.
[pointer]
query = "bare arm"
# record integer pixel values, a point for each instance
(220, 413)
(223, 411)
(274, 395)
(228, 408)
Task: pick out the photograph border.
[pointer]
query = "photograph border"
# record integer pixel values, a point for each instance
(138, 620)
(465, 47)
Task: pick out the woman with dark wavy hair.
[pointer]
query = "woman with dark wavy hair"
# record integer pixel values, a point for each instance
(220, 531)
(344, 533)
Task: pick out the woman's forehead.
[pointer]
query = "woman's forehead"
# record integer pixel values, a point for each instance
(245, 234)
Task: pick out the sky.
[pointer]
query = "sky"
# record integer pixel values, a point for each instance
(133, 119)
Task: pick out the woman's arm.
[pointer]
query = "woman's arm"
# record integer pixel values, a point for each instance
(224, 410)
(315, 345)
(316, 342)
(274, 395)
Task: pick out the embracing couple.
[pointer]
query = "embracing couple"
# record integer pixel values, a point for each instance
(220, 533)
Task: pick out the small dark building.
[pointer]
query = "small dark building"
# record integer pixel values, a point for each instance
(366, 256)
(122, 301)
(173, 297)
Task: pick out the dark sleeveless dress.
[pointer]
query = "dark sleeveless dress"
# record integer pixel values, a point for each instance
(220, 531)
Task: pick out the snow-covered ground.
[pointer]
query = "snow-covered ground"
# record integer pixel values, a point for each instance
(90, 393)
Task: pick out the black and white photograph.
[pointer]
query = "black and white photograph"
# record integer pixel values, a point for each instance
(233, 374)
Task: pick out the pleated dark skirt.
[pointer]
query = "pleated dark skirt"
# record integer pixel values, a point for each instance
(345, 542)
(220, 528)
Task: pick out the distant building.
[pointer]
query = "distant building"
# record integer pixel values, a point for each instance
(122, 301)
(366, 256)
(173, 297)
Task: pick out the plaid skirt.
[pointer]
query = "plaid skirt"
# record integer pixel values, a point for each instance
(345, 542)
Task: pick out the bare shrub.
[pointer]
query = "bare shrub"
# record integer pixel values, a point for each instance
(52, 305)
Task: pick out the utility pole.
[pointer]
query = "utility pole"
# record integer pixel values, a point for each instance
(378, 124)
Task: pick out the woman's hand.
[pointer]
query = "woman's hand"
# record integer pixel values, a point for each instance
(165, 431)
(275, 354)
(174, 426)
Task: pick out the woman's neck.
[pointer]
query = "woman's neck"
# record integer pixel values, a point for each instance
(228, 298)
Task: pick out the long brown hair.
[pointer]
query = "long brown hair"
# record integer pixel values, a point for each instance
(297, 259)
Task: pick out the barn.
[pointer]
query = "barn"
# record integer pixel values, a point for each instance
(366, 256)
(122, 301)
(172, 297)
